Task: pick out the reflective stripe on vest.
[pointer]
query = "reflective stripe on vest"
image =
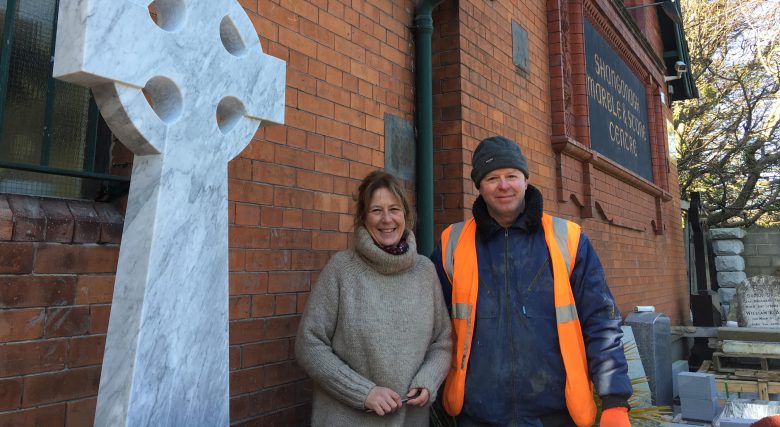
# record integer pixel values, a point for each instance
(459, 258)
(458, 242)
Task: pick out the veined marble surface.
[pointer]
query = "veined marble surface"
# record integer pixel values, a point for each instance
(166, 357)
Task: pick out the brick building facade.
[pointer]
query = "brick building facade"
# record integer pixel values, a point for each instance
(349, 63)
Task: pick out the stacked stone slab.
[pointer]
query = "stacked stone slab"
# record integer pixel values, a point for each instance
(698, 396)
(728, 249)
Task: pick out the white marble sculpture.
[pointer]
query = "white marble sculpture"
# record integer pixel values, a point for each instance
(209, 87)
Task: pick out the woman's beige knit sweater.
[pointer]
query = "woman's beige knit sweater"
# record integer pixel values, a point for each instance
(374, 319)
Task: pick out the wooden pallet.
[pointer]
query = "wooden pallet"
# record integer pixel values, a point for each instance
(757, 365)
(743, 381)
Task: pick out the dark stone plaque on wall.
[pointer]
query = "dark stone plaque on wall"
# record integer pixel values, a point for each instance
(617, 106)
(520, 46)
(399, 147)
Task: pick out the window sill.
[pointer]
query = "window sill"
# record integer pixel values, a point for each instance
(41, 219)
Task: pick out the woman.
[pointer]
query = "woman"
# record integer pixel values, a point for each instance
(375, 331)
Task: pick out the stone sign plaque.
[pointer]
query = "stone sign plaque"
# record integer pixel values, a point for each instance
(758, 302)
(617, 107)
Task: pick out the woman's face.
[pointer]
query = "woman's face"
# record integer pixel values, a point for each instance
(385, 219)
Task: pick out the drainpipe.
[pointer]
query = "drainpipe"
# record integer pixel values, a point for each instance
(423, 22)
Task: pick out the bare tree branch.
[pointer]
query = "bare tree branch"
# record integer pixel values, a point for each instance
(728, 140)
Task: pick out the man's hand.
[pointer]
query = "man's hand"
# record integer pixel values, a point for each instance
(418, 397)
(382, 400)
(615, 417)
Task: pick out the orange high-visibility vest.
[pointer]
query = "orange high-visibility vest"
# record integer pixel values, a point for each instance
(459, 258)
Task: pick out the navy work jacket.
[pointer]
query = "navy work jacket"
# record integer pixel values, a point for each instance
(515, 368)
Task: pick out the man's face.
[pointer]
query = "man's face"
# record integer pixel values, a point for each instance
(504, 193)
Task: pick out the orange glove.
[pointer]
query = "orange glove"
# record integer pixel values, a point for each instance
(770, 421)
(615, 417)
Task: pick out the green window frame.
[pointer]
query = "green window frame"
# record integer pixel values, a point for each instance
(53, 141)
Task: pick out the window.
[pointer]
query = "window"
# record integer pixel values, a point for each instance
(53, 141)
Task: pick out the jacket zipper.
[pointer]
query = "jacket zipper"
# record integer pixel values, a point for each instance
(508, 304)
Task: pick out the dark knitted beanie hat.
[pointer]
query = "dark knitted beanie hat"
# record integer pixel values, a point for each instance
(494, 153)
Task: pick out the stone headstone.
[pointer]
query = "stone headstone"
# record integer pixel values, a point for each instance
(642, 396)
(185, 88)
(758, 302)
(653, 335)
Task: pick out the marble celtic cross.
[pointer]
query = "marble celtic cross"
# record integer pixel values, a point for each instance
(185, 87)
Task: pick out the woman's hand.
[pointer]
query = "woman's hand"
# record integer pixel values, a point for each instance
(382, 400)
(420, 398)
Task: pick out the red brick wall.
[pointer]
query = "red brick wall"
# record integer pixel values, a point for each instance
(642, 268)
(291, 190)
(478, 92)
(450, 170)
(646, 19)
(57, 264)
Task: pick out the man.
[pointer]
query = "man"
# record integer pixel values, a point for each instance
(534, 321)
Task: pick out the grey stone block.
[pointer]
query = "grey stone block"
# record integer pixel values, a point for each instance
(758, 271)
(678, 367)
(729, 263)
(726, 233)
(731, 279)
(696, 386)
(750, 409)
(726, 294)
(728, 247)
(763, 236)
(753, 237)
(749, 334)
(735, 422)
(699, 409)
(683, 423)
(759, 261)
(770, 250)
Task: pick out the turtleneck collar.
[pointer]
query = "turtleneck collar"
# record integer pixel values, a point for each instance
(381, 261)
(528, 221)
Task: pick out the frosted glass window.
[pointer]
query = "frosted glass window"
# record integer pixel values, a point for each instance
(48, 128)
